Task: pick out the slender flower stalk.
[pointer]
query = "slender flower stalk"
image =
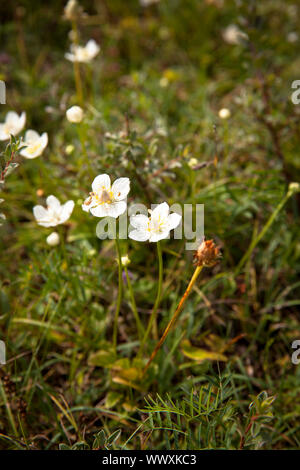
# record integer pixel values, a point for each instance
(154, 228)
(77, 76)
(153, 317)
(120, 293)
(206, 255)
(139, 325)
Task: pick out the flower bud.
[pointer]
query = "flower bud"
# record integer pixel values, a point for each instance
(69, 149)
(294, 188)
(224, 113)
(53, 239)
(125, 261)
(192, 162)
(74, 114)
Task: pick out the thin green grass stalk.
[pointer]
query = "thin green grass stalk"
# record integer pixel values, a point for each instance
(153, 317)
(139, 325)
(8, 410)
(292, 189)
(120, 292)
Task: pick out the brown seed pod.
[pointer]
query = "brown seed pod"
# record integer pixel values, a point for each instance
(207, 254)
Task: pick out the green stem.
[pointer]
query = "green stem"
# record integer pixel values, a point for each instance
(8, 410)
(133, 305)
(153, 317)
(268, 224)
(81, 131)
(119, 299)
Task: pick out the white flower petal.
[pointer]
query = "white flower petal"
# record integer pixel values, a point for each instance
(3, 134)
(101, 182)
(174, 220)
(117, 208)
(70, 57)
(139, 235)
(121, 188)
(102, 210)
(31, 136)
(92, 48)
(12, 117)
(88, 204)
(22, 120)
(44, 139)
(40, 212)
(48, 223)
(66, 211)
(160, 212)
(156, 236)
(85, 208)
(139, 221)
(52, 202)
(27, 152)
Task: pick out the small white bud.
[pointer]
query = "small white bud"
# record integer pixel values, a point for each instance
(224, 113)
(192, 162)
(294, 188)
(69, 149)
(125, 261)
(74, 114)
(53, 239)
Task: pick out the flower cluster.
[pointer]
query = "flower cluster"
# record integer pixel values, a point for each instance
(33, 145)
(110, 200)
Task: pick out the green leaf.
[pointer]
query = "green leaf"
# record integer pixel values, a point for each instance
(199, 354)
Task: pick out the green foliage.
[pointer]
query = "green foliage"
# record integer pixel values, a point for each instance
(208, 418)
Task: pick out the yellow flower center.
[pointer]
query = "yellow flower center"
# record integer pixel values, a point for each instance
(33, 148)
(9, 128)
(104, 196)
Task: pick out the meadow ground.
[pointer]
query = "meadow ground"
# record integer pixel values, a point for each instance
(192, 101)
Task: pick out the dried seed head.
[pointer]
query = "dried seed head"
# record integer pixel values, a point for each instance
(207, 254)
(22, 407)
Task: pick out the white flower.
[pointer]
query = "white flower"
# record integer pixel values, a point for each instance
(74, 114)
(224, 113)
(83, 53)
(13, 124)
(156, 227)
(107, 200)
(34, 143)
(233, 35)
(55, 213)
(53, 239)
